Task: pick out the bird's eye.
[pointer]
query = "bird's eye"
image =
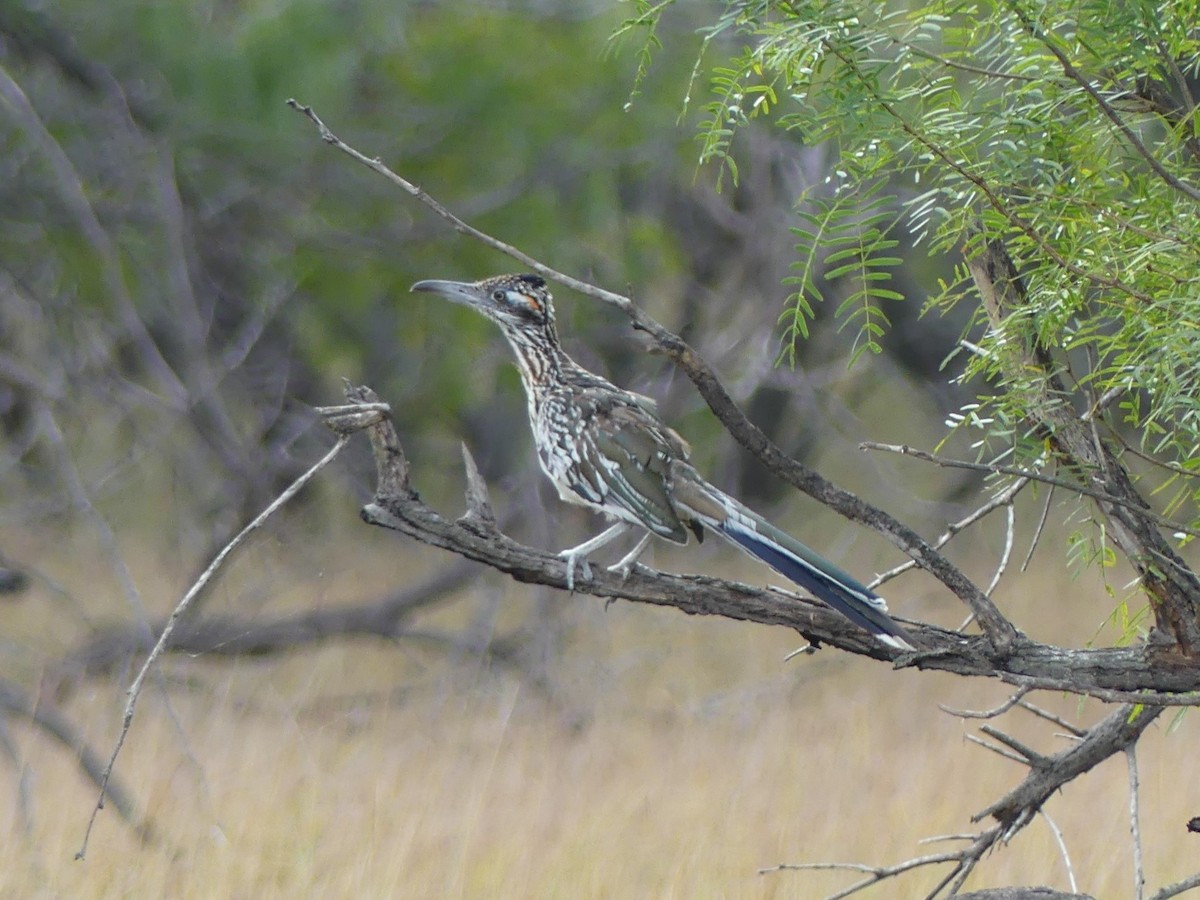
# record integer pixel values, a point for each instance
(498, 296)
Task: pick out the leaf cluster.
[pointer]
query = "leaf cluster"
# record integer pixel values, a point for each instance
(1066, 131)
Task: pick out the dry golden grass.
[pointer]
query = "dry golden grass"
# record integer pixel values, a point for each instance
(674, 757)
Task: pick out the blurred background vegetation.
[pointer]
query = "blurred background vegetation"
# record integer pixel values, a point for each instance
(185, 269)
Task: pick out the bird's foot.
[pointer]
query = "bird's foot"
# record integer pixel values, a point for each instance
(622, 568)
(574, 554)
(627, 563)
(572, 559)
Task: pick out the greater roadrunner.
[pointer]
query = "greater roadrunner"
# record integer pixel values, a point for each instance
(607, 449)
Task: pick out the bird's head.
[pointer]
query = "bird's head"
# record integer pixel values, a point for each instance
(516, 302)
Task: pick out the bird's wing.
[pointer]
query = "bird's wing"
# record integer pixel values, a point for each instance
(628, 459)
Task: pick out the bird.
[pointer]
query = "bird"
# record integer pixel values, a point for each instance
(607, 449)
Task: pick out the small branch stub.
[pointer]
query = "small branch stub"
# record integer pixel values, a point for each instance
(479, 506)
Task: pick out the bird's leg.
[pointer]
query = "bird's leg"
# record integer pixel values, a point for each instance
(625, 564)
(580, 553)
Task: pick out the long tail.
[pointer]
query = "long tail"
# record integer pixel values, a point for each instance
(721, 513)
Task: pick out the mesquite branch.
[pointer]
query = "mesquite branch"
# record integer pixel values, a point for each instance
(1134, 676)
(998, 629)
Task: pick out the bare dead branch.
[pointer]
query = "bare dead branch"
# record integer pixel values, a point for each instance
(201, 583)
(1135, 829)
(232, 636)
(986, 713)
(1111, 735)
(875, 874)
(1174, 890)
(964, 861)
(1121, 673)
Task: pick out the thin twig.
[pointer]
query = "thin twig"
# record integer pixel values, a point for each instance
(1004, 498)
(1037, 532)
(1112, 695)
(1062, 849)
(1174, 890)
(938, 838)
(991, 468)
(999, 751)
(964, 67)
(968, 859)
(876, 873)
(1031, 756)
(1010, 528)
(986, 713)
(1135, 831)
(376, 165)
(202, 582)
(1074, 730)
(1173, 467)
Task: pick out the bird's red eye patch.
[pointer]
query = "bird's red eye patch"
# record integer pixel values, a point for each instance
(533, 302)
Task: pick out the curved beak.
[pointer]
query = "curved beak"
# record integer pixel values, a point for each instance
(455, 291)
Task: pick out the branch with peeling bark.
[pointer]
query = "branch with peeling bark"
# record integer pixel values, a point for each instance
(1114, 674)
(1110, 672)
